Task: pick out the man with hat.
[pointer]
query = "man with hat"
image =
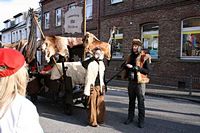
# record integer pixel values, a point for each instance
(136, 63)
(95, 87)
(17, 114)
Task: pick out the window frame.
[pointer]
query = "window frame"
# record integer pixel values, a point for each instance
(13, 37)
(3, 38)
(154, 32)
(45, 22)
(20, 34)
(26, 34)
(58, 15)
(118, 36)
(188, 29)
(16, 33)
(116, 1)
(17, 20)
(90, 6)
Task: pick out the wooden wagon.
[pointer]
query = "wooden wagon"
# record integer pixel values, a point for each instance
(61, 87)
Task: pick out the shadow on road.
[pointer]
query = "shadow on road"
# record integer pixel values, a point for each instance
(55, 111)
(116, 114)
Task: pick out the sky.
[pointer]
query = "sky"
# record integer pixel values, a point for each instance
(9, 8)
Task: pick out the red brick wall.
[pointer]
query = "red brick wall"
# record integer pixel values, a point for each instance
(169, 65)
(110, 9)
(138, 4)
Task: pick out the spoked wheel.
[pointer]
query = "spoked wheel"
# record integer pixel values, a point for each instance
(84, 100)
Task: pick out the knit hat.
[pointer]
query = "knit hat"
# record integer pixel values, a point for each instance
(10, 61)
(137, 42)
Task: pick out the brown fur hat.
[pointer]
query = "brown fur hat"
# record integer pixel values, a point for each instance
(137, 42)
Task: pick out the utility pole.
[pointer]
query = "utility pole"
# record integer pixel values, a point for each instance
(84, 18)
(84, 23)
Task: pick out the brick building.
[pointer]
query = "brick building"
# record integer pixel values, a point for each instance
(170, 29)
(50, 8)
(18, 28)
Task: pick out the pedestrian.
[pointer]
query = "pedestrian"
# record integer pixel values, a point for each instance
(137, 65)
(95, 88)
(17, 114)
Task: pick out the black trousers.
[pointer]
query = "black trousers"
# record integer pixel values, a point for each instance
(136, 90)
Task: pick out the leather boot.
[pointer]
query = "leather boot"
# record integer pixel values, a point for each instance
(141, 124)
(128, 121)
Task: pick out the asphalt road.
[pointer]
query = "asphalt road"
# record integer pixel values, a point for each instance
(162, 116)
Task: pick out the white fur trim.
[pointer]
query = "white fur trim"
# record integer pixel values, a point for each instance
(91, 75)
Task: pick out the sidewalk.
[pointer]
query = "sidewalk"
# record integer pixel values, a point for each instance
(160, 91)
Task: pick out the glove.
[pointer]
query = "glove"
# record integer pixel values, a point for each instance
(129, 66)
(136, 68)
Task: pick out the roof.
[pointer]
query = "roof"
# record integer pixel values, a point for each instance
(19, 14)
(14, 26)
(45, 1)
(6, 29)
(6, 21)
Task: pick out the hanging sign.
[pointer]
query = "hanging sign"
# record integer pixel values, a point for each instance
(73, 19)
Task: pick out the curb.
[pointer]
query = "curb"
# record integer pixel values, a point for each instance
(173, 97)
(157, 95)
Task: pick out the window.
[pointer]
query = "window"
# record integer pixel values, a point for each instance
(190, 43)
(13, 37)
(20, 34)
(58, 17)
(117, 43)
(150, 38)
(16, 36)
(7, 24)
(115, 1)
(17, 20)
(89, 9)
(4, 38)
(25, 33)
(9, 38)
(72, 6)
(46, 20)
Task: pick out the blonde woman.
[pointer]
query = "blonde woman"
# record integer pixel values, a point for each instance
(17, 114)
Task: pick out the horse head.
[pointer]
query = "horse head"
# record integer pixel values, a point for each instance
(91, 42)
(88, 39)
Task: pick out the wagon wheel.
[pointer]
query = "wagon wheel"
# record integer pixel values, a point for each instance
(84, 100)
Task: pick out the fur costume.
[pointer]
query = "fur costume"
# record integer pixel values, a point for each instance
(93, 69)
